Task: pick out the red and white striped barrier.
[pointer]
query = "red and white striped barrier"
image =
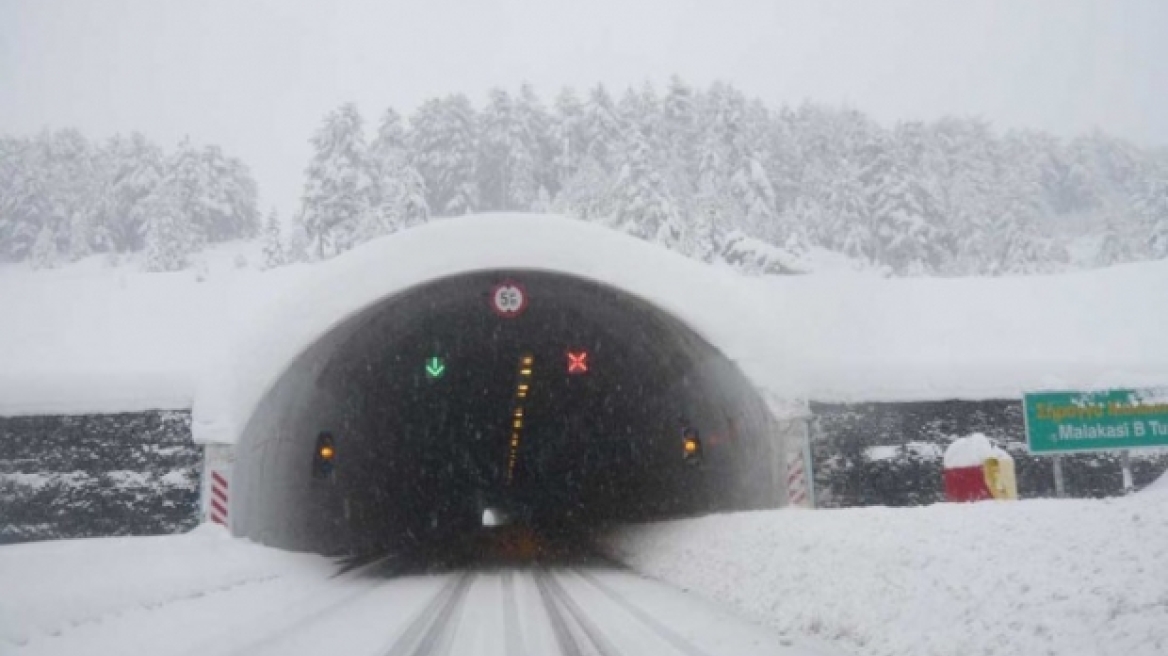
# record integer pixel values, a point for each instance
(217, 509)
(796, 480)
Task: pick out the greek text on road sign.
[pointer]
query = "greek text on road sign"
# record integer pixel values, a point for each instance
(508, 299)
(1058, 422)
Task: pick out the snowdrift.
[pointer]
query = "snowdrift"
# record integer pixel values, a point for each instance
(61, 597)
(1009, 578)
(92, 339)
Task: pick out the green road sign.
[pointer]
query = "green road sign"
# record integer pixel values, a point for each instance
(1058, 422)
(435, 367)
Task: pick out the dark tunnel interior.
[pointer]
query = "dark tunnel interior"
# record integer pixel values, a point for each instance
(564, 419)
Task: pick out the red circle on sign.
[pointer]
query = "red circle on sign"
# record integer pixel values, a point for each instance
(508, 299)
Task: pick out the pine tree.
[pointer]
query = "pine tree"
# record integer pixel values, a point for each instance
(600, 130)
(336, 190)
(26, 207)
(44, 253)
(397, 196)
(1150, 204)
(170, 237)
(567, 136)
(679, 133)
(509, 152)
(273, 245)
(588, 194)
(902, 235)
(132, 168)
(443, 144)
(642, 206)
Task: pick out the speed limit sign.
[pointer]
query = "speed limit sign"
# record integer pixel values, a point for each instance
(508, 299)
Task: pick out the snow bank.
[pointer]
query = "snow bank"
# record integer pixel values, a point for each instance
(53, 591)
(1062, 577)
(925, 450)
(91, 339)
(1160, 485)
(972, 451)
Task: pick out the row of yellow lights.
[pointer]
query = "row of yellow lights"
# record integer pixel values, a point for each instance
(525, 364)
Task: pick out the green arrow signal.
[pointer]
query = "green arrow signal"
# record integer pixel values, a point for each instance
(435, 367)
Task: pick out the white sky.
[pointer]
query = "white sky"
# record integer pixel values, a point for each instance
(257, 76)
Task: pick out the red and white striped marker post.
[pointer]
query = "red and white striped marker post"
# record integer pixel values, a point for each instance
(217, 509)
(796, 480)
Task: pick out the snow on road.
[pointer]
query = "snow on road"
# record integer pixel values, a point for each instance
(1070, 577)
(1060, 577)
(205, 593)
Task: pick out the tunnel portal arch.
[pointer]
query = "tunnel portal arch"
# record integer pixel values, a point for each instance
(602, 447)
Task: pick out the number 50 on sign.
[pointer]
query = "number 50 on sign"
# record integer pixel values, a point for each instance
(508, 299)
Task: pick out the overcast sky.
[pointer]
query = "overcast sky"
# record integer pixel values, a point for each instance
(257, 76)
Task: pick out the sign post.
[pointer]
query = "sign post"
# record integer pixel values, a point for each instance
(1111, 420)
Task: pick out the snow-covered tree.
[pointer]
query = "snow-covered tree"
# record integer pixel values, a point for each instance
(336, 190)
(397, 193)
(170, 236)
(274, 255)
(132, 167)
(641, 202)
(510, 155)
(600, 131)
(44, 253)
(443, 145)
(567, 136)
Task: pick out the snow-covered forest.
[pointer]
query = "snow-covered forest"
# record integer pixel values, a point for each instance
(710, 173)
(694, 169)
(63, 197)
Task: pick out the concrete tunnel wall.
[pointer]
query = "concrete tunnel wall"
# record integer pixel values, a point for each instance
(277, 502)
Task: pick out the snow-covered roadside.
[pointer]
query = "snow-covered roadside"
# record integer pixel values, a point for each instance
(99, 596)
(1065, 578)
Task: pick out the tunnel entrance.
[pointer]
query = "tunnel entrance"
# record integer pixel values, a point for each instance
(566, 417)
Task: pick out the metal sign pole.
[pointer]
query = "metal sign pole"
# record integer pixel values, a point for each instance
(1125, 463)
(1060, 489)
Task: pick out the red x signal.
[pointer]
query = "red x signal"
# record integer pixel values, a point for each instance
(578, 362)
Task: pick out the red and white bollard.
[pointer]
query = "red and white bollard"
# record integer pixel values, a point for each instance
(797, 480)
(217, 510)
(217, 462)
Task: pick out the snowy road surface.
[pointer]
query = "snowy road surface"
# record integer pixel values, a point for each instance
(510, 611)
(207, 594)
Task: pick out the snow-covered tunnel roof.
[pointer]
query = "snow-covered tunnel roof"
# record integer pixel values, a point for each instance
(88, 339)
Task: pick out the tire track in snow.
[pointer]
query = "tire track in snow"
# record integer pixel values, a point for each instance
(512, 638)
(430, 631)
(658, 627)
(557, 601)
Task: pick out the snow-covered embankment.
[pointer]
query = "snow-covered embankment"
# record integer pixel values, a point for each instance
(1062, 577)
